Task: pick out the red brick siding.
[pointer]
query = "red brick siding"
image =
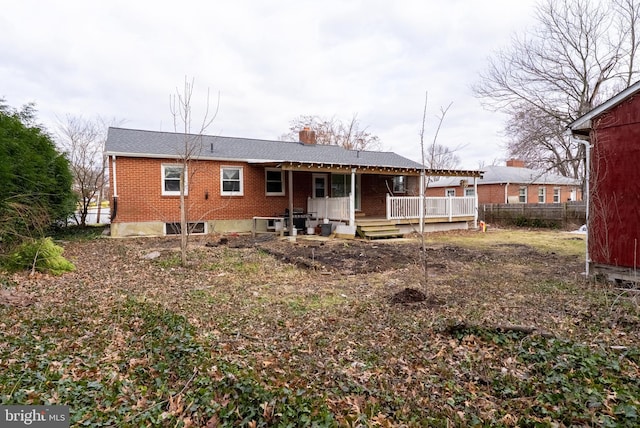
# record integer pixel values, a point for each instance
(139, 190)
(373, 191)
(495, 193)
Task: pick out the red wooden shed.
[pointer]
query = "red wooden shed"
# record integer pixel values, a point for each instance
(612, 132)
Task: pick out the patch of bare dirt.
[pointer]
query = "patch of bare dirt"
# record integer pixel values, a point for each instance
(408, 295)
(336, 256)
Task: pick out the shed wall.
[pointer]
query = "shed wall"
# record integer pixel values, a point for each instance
(614, 223)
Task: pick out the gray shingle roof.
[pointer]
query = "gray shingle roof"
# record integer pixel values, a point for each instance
(139, 143)
(509, 174)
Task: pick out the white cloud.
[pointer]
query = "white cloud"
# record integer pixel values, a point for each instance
(270, 61)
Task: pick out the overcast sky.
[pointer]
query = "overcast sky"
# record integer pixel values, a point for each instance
(270, 61)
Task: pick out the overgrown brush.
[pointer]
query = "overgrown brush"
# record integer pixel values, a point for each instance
(41, 255)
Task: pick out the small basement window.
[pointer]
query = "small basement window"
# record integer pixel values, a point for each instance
(193, 228)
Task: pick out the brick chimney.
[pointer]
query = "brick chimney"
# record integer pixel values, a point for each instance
(516, 163)
(307, 136)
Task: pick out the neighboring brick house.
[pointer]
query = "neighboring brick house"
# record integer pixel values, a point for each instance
(611, 132)
(512, 183)
(232, 180)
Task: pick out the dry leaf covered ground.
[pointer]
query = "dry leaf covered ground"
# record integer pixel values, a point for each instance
(267, 332)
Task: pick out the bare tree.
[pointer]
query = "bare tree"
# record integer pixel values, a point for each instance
(83, 141)
(579, 54)
(335, 132)
(442, 157)
(180, 105)
(429, 158)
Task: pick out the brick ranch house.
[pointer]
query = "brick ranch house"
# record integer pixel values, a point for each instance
(611, 133)
(509, 184)
(243, 185)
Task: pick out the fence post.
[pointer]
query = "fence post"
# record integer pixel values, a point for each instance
(388, 206)
(449, 207)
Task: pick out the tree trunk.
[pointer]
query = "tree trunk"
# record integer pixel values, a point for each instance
(183, 220)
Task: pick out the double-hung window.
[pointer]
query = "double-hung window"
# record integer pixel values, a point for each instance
(542, 195)
(274, 179)
(522, 195)
(231, 182)
(171, 180)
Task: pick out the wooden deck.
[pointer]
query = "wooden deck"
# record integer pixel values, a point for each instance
(379, 227)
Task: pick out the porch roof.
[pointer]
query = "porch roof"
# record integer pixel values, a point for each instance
(289, 155)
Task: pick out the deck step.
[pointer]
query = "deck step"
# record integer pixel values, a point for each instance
(377, 229)
(381, 222)
(382, 228)
(383, 234)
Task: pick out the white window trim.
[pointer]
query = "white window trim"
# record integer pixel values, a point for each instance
(448, 191)
(281, 193)
(544, 195)
(469, 191)
(173, 192)
(325, 180)
(526, 191)
(557, 195)
(241, 177)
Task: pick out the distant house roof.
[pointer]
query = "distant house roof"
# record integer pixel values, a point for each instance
(582, 125)
(512, 175)
(140, 143)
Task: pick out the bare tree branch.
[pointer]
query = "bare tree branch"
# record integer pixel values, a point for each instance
(579, 54)
(335, 132)
(180, 106)
(83, 141)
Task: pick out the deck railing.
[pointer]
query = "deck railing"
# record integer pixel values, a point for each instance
(405, 207)
(398, 207)
(329, 208)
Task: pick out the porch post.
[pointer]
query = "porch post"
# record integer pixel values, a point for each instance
(475, 202)
(352, 199)
(388, 209)
(291, 226)
(421, 203)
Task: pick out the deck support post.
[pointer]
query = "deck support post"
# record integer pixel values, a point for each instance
(475, 202)
(291, 225)
(352, 199)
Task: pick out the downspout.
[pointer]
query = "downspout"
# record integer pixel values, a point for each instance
(352, 199)
(114, 208)
(585, 196)
(506, 192)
